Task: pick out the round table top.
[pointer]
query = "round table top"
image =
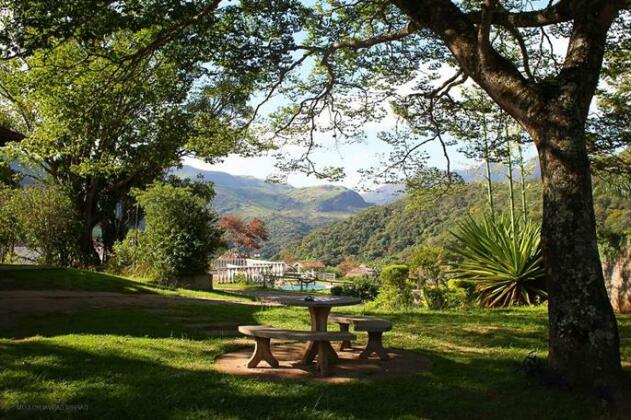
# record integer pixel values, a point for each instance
(319, 301)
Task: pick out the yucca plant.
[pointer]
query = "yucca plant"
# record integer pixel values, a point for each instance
(504, 260)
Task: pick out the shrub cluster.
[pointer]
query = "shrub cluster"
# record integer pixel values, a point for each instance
(8, 222)
(365, 288)
(396, 292)
(41, 218)
(444, 297)
(179, 237)
(428, 266)
(130, 255)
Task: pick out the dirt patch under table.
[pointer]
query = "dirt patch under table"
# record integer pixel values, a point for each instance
(349, 368)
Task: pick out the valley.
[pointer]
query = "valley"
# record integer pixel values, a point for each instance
(290, 213)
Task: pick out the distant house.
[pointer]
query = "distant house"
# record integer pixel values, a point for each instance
(362, 271)
(232, 264)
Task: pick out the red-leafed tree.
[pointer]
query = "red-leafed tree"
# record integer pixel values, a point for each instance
(238, 232)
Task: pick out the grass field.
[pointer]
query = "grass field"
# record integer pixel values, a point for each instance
(142, 363)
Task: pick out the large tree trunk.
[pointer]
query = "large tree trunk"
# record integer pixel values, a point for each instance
(583, 335)
(88, 207)
(88, 255)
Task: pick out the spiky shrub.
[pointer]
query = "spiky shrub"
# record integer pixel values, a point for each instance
(503, 260)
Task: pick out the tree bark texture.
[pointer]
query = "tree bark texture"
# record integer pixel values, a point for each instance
(583, 333)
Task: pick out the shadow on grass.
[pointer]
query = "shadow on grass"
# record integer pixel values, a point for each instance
(130, 322)
(68, 279)
(176, 381)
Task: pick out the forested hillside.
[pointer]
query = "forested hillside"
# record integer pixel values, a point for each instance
(394, 229)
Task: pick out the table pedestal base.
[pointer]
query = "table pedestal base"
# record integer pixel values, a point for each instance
(322, 349)
(313, 349)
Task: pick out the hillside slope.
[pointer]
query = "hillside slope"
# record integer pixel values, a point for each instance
(396, 228)
(389, 229)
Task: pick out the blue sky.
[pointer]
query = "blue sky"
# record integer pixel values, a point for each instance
(352, 157)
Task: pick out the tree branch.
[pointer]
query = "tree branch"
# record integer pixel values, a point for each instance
(484, 31)
(357, 44)
(553, 14)
(498, 76)
(522, 48)
(581, 67)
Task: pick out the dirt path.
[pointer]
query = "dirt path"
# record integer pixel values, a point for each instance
(19, 303)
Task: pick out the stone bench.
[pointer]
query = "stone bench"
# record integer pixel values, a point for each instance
(263, 334)
(375, 327)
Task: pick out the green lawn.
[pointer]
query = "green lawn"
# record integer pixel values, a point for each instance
(133, 363)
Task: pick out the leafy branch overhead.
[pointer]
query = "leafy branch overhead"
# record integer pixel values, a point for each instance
(339, 65)
(361, 61)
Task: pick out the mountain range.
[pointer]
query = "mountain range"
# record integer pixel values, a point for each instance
(394, 231)
(289, 212)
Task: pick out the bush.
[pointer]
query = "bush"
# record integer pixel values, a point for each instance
(180, 232)
(395, 276)
(336, 291)
(467, 285)
(429, 265)
(441, 297)
(242, 280)
(395, 292)
(45, 222)
(131, 256)
(365, 288)
(8, 222)
(503, 260)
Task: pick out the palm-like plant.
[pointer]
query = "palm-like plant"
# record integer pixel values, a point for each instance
(503, 259)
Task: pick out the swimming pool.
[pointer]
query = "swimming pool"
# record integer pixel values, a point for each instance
(305, 288)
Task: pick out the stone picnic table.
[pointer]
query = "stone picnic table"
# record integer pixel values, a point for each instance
(319, 309)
